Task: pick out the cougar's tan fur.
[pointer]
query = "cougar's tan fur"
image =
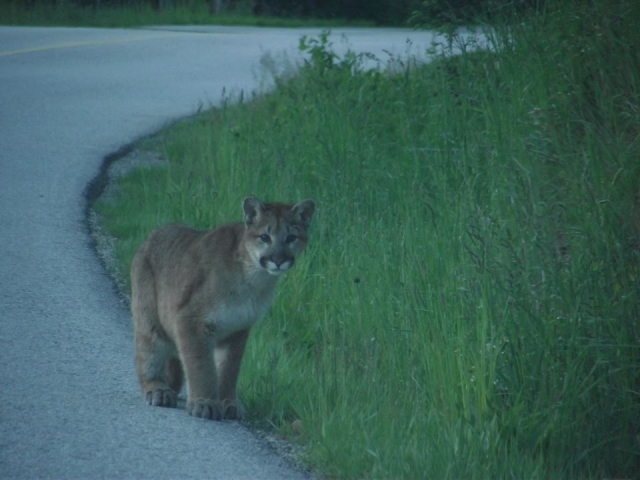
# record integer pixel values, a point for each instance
(195, 296)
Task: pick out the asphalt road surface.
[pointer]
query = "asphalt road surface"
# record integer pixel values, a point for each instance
(69, 400)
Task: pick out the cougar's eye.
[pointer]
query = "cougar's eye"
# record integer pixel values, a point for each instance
(265, 238)
(290, 239)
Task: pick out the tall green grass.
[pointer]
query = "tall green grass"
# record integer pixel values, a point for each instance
(469, 304)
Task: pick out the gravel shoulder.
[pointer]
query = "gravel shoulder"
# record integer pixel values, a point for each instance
(105, 187)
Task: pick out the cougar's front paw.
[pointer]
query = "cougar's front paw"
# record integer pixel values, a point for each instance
(205, 408)
(161, 397)
(232, 410)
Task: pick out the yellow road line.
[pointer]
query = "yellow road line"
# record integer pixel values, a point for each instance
(87, 43)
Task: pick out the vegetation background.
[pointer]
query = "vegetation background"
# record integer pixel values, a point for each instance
(265, 12)
(469, 306)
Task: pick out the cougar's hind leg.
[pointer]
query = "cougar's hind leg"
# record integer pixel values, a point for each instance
(153, 347)
(153, 362)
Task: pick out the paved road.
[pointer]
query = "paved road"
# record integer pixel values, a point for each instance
(69, 400)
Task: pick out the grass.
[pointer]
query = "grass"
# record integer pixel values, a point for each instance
(469, 304)
(187, 12)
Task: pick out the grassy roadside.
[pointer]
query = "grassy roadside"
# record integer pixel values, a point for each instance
(188, 13)
(469, 305)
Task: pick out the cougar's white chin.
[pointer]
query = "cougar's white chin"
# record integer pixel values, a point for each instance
(276, 270)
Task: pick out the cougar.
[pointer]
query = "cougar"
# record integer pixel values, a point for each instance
(196, 295)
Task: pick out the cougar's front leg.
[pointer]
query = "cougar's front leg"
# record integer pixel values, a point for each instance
(194, 348)
(228, 356)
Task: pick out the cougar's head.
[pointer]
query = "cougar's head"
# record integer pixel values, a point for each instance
(275, 232)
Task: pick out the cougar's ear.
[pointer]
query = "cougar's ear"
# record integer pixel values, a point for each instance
(253, 208)
(304, 212)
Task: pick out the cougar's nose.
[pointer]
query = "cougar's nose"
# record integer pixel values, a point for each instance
(279, 261)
